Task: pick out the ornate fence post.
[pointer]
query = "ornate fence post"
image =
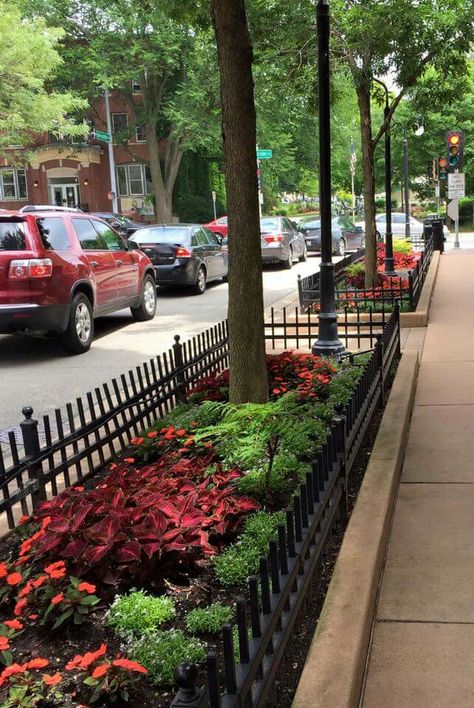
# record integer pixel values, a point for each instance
(29, 431)
(180, 378)
(411, 295)
(379, 356)
(188, 695)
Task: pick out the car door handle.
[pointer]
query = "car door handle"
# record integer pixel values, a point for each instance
(119, 263)
(94, 264)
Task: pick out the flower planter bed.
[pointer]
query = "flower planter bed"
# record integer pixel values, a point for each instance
(186, 514)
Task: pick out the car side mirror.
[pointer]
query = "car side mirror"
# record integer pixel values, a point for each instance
(133, 246)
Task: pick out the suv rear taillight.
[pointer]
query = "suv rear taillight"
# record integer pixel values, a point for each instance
(183, 253)
(274, 238)
(26, 268)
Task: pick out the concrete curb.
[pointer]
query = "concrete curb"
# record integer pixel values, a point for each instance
(419, 318)
(334, 671)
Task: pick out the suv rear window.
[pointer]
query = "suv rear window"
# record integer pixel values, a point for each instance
(12, 236)
(53, 233)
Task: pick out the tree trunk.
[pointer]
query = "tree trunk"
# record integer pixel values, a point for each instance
(248, 371)
(363, 95)
(163, 207)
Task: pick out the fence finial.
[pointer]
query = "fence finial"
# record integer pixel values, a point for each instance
(27, 412)
(188, 695)
(177, 338)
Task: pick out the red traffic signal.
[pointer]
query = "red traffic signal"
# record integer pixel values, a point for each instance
(454, 149)
(442, 168)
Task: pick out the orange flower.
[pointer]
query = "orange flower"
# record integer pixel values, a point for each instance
(79, 489)
(52, 680)
(137, 441)
(57, 599)
(4, 643)
(23, 519)
(14, 578)
(11, 671)
(83, 662)
(46, 522)
(86, 587)
(33, 617)
(74, 663)
(152, 434)
(130, 665)
(39, 581)
(100, 670)
(14, 624)
(19, 607)
(26, 590)
(20, 561)
(38, 663)
(3, 570)
(52, 567)
(181, 433)
(58, 574)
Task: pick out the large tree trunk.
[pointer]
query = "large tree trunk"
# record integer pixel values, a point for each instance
(163, 206)
(363, 95)
(248, 372)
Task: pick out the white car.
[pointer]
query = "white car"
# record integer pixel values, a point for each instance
(398, 226)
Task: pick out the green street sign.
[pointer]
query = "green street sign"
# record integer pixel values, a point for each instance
(264, 154)
(100, 135)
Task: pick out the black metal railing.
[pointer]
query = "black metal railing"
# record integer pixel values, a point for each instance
(276, 596)
(404, 290)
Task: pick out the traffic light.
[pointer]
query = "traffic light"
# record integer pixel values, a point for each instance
(454, 149)
(443, 168)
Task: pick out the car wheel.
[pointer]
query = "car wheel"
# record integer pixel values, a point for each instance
(200, 285)
(146, 310)
(79, 334)
(288, 264)
(304, 255)
(341, 247)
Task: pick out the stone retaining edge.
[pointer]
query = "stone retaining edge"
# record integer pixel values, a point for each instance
(419, 318)
(333, 674)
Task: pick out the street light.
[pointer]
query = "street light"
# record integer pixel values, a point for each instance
(328, 342)
(389, 263)
(418, 132)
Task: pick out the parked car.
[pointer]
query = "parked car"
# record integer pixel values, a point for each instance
(219, 226)
(346, 236)
(398, 226)
(60, 270)
(281, 241)
(183, 254)
(122, 224)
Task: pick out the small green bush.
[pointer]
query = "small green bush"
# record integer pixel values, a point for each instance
(241, 559)
(208, 620)
(138, 613)
(401, 245)
(162, 651)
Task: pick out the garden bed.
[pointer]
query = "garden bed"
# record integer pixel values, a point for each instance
(184, 516)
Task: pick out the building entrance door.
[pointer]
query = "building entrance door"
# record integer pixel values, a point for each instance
(64, 195)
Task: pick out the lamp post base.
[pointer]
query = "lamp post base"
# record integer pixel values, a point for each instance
(390, 267)
(328, 343)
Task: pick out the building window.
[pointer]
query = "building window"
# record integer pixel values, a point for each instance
(119, 122)
(13, 184)
(140, 134)
(133, 180)
(136, 86)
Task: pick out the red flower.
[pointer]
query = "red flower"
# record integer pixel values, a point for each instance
(53, 567)
(19, 607)
(3, 570)
(130, 665)
(23, 519)
(77, 489)
(33, 617)
(137, 441)
(39, 581)
(26, 590)
(57, 599)
(14, 624)
(52, 680)
(152, 434)
(130, 460)
(11, 671)
(83, 662)
(38, 663)
(4, 643)
(14, 578)
(86, 587)
(46, 522)
(100, 670)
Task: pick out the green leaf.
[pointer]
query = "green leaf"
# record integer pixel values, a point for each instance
(90, 600)
(63, 617)
(89, 681)
(7, 658)
(74, 581)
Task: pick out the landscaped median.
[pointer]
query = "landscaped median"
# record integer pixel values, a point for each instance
(334, 670)
(109, 586)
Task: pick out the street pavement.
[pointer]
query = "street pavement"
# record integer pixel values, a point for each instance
(36, 372)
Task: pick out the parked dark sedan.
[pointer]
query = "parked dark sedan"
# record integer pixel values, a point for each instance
(125, 226)
(183, 254)
(346, 236)
(281, 241)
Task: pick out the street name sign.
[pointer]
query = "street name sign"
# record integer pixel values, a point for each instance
(456, 185)
(264, 154)
(100, 135)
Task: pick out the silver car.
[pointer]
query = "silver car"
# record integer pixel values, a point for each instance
(281, 241)
(398, 226)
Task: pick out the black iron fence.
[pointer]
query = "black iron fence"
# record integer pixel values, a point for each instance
(276, 596)
(404, 290)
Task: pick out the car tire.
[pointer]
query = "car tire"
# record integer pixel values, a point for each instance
(304, 255)
(341, 247)
(79, 334)
(146, 310)
(288, 264)
(199, 287)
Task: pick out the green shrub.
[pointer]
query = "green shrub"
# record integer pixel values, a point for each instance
(208, 620)
(162, 651)
(401, 245)
(241, 559)
(138, 613)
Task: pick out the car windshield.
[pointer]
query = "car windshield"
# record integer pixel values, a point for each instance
(269, 224)
(310, 224)
(161, 234)
(12, 236)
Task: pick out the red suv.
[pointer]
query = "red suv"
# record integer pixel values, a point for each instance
(59, 270)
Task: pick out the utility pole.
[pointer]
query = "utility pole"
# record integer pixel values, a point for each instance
(110, 147)
(328, 342)
(389, 263)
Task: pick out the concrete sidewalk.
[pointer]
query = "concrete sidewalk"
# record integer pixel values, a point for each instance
(422, 652)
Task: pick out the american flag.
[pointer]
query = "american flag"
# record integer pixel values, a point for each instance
(353, 160)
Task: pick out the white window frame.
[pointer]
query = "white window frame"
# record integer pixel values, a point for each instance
(16, 186)
(136, 86)
(126, 168)
(140, 140)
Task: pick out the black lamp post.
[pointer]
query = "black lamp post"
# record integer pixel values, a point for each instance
(389, 264)
(328, 343)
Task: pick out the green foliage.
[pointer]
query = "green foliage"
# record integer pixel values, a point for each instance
(241, 559)
(401, 245)
(209, 620)
(138, 613)
(162, 651)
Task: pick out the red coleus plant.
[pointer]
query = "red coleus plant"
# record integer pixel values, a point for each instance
(138, 518)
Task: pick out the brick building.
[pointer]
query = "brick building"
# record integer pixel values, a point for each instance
(66, 174)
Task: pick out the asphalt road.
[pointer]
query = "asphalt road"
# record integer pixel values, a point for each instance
(36, 372)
